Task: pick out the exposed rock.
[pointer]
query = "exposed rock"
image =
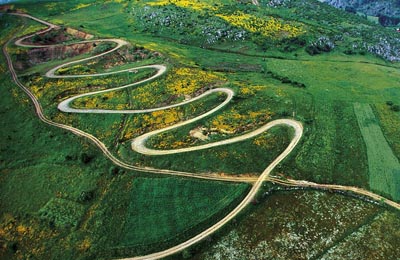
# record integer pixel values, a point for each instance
(276, 3)
(198, 134)
(79, 34)
(40, 55)
(209, 30)
(380, 8)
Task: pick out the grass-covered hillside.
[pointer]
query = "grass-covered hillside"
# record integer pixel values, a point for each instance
(335, 72)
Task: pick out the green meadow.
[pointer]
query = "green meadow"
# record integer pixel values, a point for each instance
(61, 198)
(383, 166)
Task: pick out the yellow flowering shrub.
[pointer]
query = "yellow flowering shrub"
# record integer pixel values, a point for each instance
(139, 124)
(109, 100)
(169, 143)
(22, 229)
(164, 118)
(76, 70)
(270, 27)
(266, 140)
(179, 82)
(187, 80)
(63, 118)
(85, 245)
(26, 234)
(80, 6)
(231, 121)
(195, 5)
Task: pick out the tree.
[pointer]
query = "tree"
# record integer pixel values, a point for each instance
(385, 20)
(350, 9)
(395, 108)
(86, 196)
(114, 170)
(85, 158)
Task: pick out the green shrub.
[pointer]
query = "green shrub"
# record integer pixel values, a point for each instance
(395, 108)
(61, 213)
(85, 158)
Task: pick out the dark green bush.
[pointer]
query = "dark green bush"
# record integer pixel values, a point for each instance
(395, 108)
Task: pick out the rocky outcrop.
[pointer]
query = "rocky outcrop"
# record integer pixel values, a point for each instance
(41, 55)
(52, 49)
(32, 57)
(79, 34)
(380, 8)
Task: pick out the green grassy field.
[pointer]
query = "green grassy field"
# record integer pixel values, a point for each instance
(390, 123)
(40, 164)
(383, 166)
(35, 181)
(61, 199)
(50, 190)
(162, 209)
(333, 131)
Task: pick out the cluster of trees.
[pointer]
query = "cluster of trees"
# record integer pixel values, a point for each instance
(102, 47)
(286, 80)
(385, 20)
(393, 107)
(50, 37)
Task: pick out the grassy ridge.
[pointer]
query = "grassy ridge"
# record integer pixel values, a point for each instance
(384, 167)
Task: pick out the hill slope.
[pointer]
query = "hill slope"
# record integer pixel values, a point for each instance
(333, 71)
(369, 7)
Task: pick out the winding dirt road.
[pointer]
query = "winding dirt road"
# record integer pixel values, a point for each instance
(138, 144)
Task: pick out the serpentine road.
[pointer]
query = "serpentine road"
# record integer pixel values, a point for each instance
(138, 144)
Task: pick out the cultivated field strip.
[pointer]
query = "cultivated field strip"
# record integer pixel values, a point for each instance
(384, 167)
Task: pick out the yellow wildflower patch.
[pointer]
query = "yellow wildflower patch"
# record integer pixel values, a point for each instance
(85, 245)
(76, 70)
(165, 117)
(195, 5)
(248, 91)
(80, 6)
(261, 141)
(22, 229)
(232, 121)
(187, 80)
(270, 27)
(110, 100)
(178, 83)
